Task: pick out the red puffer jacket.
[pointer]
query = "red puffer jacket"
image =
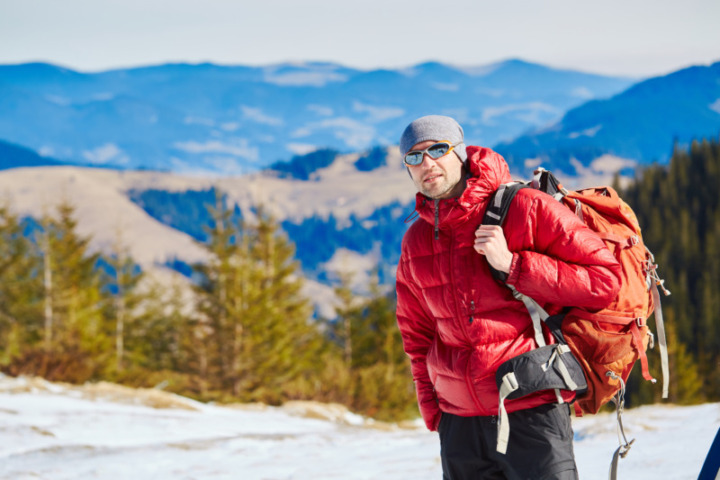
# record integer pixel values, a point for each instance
(459, 324)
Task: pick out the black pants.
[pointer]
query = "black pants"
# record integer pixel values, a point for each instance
(540, 446)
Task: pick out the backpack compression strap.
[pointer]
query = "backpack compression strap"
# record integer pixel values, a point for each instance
(545, 181)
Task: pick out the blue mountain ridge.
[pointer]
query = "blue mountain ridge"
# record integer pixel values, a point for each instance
(237, 119)
(642, 123)
(12, 156)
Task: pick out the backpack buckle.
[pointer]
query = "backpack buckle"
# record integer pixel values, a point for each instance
(640, 321)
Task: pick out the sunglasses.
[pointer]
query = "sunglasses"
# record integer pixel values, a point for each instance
(437, 150)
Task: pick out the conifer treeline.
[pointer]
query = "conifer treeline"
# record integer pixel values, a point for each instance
(247, 333)
(678, 207)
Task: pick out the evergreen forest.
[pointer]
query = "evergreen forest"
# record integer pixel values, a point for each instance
(245, 333)
(678, 207)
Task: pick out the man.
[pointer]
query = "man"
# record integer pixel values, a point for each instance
(459, 324)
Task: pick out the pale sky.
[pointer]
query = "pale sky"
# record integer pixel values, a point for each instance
(637, 38)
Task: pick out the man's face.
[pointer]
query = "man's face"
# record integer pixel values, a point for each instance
(437, 178)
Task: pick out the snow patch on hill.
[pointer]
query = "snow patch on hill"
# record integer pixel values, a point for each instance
(104, 211)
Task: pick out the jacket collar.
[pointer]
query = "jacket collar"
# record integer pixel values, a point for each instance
(487, 171)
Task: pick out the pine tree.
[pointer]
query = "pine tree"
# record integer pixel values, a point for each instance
(218, 333)
(159, 343)
(285, 341)
(340, 370)
(20, 289)
(348, 313)
(76, 337)
(121, 285)
(258, 335)
(378, 373)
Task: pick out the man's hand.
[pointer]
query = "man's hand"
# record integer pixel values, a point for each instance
(490, 241)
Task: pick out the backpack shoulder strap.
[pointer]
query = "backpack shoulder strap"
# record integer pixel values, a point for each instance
(497, 210)
(499, 203)
(495, 214)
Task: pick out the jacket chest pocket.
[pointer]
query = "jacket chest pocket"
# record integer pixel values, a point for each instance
(471, 279)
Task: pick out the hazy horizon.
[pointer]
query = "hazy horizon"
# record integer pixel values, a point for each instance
(638, 40)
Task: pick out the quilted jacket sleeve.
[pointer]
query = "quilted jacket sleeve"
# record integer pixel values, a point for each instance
(561, 261)
(417, 328)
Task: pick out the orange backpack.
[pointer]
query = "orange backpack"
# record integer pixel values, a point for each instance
(605, 343)
(620, 333)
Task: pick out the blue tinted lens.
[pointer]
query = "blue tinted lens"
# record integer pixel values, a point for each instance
(414, 158)
(438, 150)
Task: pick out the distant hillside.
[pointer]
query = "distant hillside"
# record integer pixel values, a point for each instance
(239, 119)
(316, 238)
(348, 217)
(641, 123)
(12, 156)
(375, 231)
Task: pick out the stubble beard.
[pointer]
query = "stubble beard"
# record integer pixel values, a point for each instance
(443, 190)
(436, 195)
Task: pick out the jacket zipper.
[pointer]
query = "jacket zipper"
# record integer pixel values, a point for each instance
(468, 376)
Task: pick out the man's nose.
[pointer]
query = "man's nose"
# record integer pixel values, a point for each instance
(426, 157)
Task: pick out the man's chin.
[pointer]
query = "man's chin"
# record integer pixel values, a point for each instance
(431, 191)
(435, 194)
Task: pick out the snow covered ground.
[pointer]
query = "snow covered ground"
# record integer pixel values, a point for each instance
(103, 431)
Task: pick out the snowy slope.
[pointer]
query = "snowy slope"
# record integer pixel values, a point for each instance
(58, 432)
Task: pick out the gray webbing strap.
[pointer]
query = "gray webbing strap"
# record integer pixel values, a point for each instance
(537, 177)
(578, 210)
(537, 314)
(499, 195)
(556, 358)
(662, 342)
(624, 448)
(619, 452)
(497, 202)
(509, 385)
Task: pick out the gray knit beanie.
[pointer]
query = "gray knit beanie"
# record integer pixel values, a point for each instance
(434, 127)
